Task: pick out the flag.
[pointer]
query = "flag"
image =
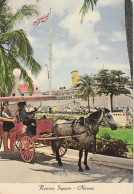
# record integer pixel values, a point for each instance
(42, 19)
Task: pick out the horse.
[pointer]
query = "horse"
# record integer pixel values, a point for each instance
(86, 128)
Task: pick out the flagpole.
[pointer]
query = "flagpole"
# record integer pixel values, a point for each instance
(50, 54)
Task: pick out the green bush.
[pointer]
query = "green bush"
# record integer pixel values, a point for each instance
(105, 146)
(111, 147)
(129, 126)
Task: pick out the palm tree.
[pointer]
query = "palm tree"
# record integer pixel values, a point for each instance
(128, 22)
(129, 33)
(15, 47)
(85, 88)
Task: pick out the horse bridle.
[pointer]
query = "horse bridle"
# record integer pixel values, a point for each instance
(89, 121)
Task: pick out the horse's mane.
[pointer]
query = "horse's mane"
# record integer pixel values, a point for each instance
(106, 110)
(95, 115)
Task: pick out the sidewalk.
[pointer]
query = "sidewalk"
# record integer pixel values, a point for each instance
(123, 163)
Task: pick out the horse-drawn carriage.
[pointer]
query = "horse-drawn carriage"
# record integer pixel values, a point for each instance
(56, 133)
(27, 144)
(30, 133)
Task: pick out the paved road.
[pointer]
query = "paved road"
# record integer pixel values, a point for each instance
(44, 169)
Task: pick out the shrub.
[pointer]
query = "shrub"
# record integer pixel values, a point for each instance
(105, 146)
(129, 126)
(111, 147)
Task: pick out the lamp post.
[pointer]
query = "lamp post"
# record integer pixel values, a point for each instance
(16, 73)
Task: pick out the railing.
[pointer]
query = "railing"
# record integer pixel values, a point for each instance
(120, 118)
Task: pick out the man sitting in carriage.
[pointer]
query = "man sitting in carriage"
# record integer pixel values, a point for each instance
(27, 118)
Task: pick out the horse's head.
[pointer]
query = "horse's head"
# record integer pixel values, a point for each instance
(93, 121)
(108, 119)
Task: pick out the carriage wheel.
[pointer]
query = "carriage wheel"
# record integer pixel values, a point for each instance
(62, 150)
(0, 140)
(27, 149)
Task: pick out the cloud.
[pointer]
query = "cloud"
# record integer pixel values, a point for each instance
(103, 3)
(58, 6)
(104, 48)
(17, 4)
(81, 43)
(125, 68)
(41, 78)
(82, 32)
(35, 41)
(63, 52)
(117, 36)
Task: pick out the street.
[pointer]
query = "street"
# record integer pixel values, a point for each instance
(44, 169)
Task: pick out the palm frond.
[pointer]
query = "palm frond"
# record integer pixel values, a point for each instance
(6, 76)
(24, 75)
(15, 47)
(33, 65)
(21, 48)
(2, 67)
(18, 39)
(26, 11)
(86, 6)
(85, 86)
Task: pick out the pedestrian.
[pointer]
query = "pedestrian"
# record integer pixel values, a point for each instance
(128, 114)
(7, 125)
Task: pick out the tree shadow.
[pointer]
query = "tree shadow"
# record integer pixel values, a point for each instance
(48, 164)
(15, 155)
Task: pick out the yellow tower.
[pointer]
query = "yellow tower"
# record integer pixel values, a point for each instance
(74, 77)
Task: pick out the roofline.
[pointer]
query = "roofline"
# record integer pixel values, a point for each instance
(74, 71)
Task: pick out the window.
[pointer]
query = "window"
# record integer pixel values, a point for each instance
(13, 94)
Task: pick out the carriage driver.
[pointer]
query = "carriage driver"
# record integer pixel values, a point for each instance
(29, 123)
(7, 126)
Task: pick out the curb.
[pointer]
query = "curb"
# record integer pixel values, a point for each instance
(122, 163)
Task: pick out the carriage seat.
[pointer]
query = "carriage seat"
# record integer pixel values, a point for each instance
(44, 126)
(19, 127)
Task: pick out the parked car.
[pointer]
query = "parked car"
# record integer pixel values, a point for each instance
(118, 109)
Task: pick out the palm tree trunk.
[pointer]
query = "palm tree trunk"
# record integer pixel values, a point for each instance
(129, 33)
(111, 102)
(88, 104)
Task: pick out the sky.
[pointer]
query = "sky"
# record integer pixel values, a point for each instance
(98, 42)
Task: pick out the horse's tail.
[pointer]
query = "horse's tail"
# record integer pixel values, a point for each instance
(55, 129)
(53, 146)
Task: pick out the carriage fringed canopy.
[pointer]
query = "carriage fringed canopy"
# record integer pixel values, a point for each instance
(28, 98)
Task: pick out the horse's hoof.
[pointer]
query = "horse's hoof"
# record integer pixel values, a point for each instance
(60, 164)
(81, 170)
(87, 168)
